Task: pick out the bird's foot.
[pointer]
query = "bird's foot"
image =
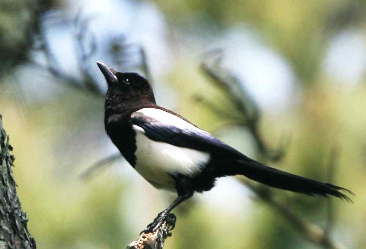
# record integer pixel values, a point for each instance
(162, 217)
(153, 226)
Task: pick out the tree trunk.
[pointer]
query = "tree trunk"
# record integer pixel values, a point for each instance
(13, 221)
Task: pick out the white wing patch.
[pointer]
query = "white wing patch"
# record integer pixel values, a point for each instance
(156, 161)
(168, 118)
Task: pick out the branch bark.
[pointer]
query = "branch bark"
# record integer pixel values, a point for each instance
(155, 240)
(14, 233)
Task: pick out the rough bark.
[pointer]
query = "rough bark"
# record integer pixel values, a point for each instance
(156, 239)
(13, 221)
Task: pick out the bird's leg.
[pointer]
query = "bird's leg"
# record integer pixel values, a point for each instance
(185, 191)
(164, 214)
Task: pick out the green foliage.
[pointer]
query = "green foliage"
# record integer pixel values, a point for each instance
(299, 31)
(18, 23)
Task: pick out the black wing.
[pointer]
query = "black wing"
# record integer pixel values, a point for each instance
(178, 132)
(182, 134)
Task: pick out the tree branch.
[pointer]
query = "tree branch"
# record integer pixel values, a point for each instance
(156, 239)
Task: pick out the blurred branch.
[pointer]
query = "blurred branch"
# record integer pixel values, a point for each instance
(85, 47)
(349, 14)
(97, 165)
(82, 35)
(52, 65)
(13, 229)
(217, 110)
(155, 240)
(251, 117)
(126, 55)
(145, 67)
(333, 160)
(233, 87)
(308, 230)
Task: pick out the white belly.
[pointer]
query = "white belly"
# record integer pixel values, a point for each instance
(157, 161)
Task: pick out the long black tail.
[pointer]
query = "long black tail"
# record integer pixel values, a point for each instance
(283, 180)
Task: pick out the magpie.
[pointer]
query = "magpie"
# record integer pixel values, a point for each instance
(172, 153)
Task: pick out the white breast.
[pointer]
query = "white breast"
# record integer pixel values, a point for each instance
(157, 161)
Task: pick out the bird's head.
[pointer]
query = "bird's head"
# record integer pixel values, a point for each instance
(127, 91)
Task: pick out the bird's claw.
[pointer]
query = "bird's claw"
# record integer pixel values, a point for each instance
(153, 226)
(171, 219)
(162, 217)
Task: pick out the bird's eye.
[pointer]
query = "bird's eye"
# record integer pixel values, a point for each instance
(126, 81)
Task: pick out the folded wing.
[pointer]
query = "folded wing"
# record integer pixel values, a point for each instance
(161, 125)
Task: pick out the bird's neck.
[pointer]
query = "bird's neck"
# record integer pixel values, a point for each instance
(118, 113)
(123, 104)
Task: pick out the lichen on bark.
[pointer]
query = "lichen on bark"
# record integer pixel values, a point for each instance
(155, 239)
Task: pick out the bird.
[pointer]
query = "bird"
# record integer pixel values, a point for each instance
(174, 154)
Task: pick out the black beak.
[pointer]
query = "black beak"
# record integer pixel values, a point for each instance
(108, 72)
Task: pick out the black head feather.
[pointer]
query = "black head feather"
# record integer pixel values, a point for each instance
(127, 92)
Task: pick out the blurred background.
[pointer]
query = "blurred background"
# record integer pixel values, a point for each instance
(282, 81)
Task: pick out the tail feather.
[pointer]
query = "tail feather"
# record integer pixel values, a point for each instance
(287, 181)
